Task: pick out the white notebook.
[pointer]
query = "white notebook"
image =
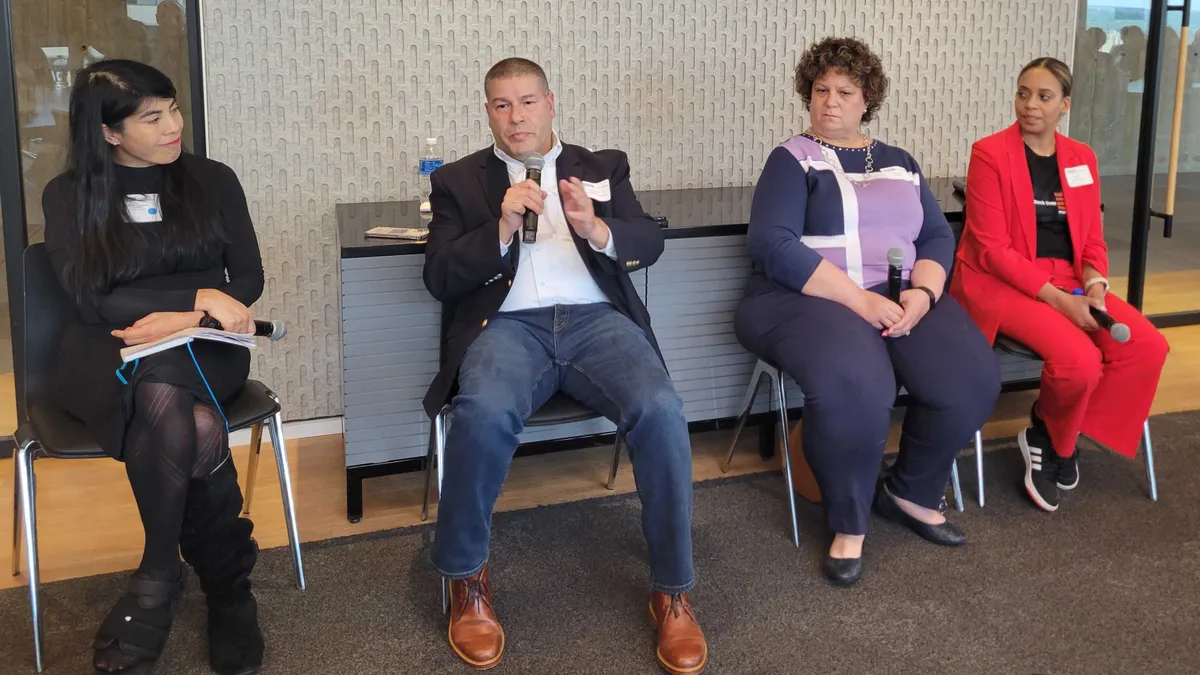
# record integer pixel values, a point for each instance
(183, 337)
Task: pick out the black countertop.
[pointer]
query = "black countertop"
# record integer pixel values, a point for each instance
(695, 212)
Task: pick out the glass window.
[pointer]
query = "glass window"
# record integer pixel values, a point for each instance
(1109, 68)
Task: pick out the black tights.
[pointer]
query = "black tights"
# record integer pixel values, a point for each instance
(172, 439)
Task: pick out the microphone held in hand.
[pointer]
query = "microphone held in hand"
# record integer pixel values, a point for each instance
(1118, 331)
(895, 258)
(529, 222)
(272, 330)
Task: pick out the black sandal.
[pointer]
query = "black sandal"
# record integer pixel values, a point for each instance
(135, 631)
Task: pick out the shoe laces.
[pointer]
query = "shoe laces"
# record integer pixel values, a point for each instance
(680, 606)
(476, 593)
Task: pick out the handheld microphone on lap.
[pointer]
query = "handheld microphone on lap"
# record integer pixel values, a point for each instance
(533, 172)
(1118, 330)
(895, 258)
(272, 330)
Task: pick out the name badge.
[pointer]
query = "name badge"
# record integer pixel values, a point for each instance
(143, 208)
(1078, 176)
(895, 172)
(601, 191)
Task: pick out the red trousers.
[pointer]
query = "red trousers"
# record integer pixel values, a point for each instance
(1091, 384)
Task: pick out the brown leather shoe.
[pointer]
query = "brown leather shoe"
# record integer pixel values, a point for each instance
(475, 632)
(682, 649)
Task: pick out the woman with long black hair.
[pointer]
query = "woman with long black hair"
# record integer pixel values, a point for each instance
(148, 241)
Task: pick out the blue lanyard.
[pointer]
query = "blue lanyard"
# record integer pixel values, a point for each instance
(137, 362)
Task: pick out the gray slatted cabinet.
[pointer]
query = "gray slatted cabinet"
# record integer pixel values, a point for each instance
(390, 327)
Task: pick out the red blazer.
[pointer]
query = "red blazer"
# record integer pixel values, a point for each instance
(994, 264)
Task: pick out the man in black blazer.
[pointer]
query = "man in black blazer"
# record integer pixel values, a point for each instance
(528, 320)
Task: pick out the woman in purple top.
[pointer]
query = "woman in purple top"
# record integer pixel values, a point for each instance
(829, 206)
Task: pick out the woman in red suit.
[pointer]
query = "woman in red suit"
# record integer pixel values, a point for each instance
(1032, 264)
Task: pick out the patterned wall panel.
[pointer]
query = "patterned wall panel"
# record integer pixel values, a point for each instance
(315, 102)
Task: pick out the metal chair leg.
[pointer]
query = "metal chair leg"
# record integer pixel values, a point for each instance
(1150, 461)
(436, 457)
(979, 465)
(252, 465)
(441, 447)
(445, 595)
(429, 457)
(958, 500)
(439, 441)
(747, 406)
(616, 461)
(26, 487)
(781, 394)
(275, 426)
(16, 531)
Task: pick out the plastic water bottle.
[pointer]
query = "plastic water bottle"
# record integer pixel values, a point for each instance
(430, 161)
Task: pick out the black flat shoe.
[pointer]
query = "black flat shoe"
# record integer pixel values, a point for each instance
(945, 534)
(842, 571)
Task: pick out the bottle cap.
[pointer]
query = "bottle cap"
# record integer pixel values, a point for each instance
(430, 141)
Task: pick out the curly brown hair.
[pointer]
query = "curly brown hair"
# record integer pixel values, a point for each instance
(847, 55)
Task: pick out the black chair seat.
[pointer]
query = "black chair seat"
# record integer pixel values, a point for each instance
(1016, 348)
(63, 437)
(560, 409)
(251, 405)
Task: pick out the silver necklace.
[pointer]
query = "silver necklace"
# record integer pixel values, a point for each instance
(856, 182)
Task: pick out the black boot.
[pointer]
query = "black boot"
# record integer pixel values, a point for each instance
(216, 542)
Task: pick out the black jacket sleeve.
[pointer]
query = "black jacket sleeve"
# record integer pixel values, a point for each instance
(638, 239)
(459, 257)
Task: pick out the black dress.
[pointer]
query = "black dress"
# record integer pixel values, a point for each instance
(86, 384)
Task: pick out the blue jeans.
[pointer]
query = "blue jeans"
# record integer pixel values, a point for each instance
(599, 357)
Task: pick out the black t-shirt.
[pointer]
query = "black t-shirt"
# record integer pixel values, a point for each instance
(1053, 235)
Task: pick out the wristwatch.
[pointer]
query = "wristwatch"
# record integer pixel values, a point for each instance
(933, 299)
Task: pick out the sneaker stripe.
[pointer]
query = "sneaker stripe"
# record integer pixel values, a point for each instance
(1034, 463)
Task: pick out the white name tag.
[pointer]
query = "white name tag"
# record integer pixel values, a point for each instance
(143, 208)
(1078, 176)
(598, 191)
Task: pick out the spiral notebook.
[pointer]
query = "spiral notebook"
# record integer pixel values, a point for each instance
(183, 337)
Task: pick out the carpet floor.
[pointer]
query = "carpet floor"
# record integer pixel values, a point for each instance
(1108, 584)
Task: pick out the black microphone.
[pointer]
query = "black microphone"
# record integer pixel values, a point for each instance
(272, 330)
(895, 258)
(533, 172)
(1118, 330)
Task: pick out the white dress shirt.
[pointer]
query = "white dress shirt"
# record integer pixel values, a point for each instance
(550, 271)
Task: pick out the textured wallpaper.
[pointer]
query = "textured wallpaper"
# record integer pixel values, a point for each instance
(319, 102)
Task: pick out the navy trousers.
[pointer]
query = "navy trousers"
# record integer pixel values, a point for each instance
(850, 376)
